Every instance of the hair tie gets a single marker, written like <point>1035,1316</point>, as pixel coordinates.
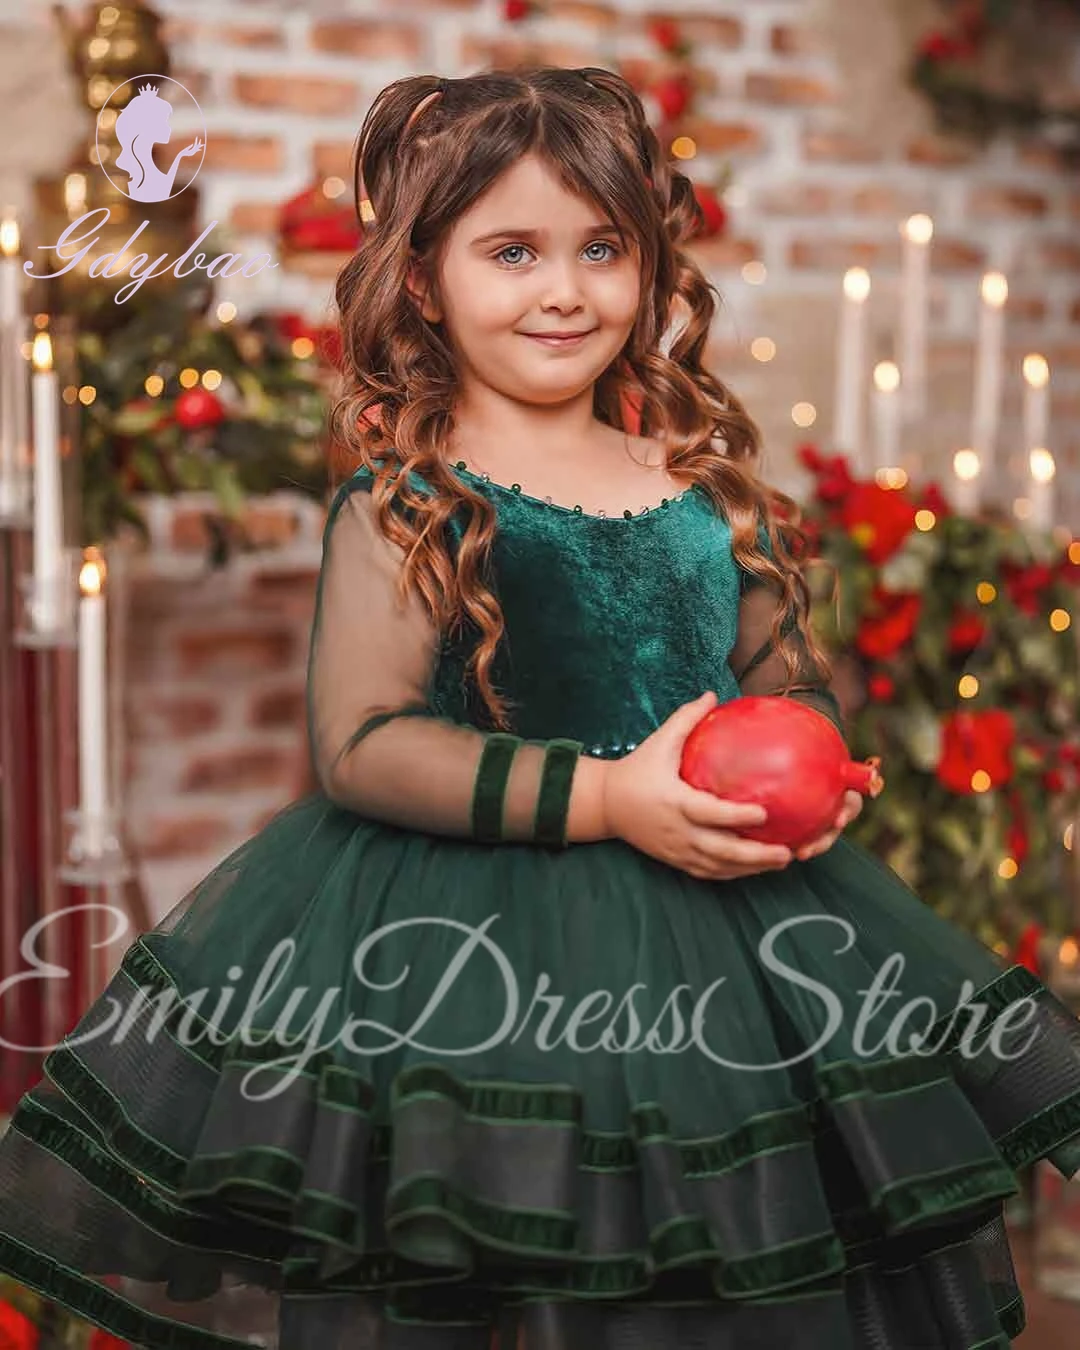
<point>365,210</point>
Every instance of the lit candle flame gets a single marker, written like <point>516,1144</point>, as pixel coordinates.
<point>966,465</point>
<point>92,576</point>
<point>887,376</point>
<point>857,283</point>
<point>1042,465</point>
<point>995,289</point>
<point>9,236</point>
<point>918,228</point>
<point>1036,370</point>
<point>41,352</point>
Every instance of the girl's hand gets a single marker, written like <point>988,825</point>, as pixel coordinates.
<point>646,803</point>
<point>849,809</point>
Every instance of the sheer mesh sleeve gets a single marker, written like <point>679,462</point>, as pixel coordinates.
<point>377,745</point>
<point>759,667</point>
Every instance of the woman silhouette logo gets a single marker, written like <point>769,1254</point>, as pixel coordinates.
<point>141,124</point>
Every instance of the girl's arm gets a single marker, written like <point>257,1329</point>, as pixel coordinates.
<point>378,747</point>
<point>760,669</point>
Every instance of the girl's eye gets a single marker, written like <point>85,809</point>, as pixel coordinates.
<point>517,249</point>
<point>611,253</point>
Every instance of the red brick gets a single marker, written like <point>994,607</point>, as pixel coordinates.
<point>516,51</point>
<point>1074,205</point>
<point>262,35</point>
<point>315,95</point>
<point>195,81</point>
<point>1074,312</point>
<point>643,72</point>
<point>764,86</point>
<point>1064,354</point>
<point>375,39</point>
<point>249,766</point>
<point>244,154</point>
<point>1004,201</point>
<point>839,147</point>
<point>876,199</point>
<point>788,39</point>
<point>189,531</point>
<point>290,591</point>
<point>183,837</point>
<point>1025,307</point>
<point>268,524</point>
<point>333,159</point>
<point>799,199</point>
<point>723,138</point>
<point>940,152</point>
<point>168,716</point>
<point>1042,155</point>
<point>255,217</point>
<point>278,708</point>
<point>697,29</point>
<point>585,12</point>
<point>831,254</point>
<point>234,651</point>
<point>1062,255</point>
<point>724,252</point>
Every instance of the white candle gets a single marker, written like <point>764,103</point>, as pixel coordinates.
<point>917,231</point>
<point>989,354</point>
<point>965,493</point>
<point>48,505</point>
<point>887,414</point>
<point>1036,370</point>
<point>93,745</point>
<point>13,375</point>
<point>1041,463</point>
<point>851,364</point>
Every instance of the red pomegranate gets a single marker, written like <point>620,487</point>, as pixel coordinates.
<point>781,754</point>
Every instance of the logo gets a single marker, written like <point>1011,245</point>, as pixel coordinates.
<point>143,124</point>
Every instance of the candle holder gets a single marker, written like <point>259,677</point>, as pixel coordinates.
<point>48,609</point>
<point>94,853</point>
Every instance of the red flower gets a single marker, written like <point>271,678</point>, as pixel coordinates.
<point>891,623</point>
<point>713,211</point>
<point>1054,780</point>
<point>1068,569</point>
<point>940,46</point>
<point>1025,585</point>
<point>878,518</point>
<point>881,687</point>
<point>103,1340</point>
<point>17,1332</point>
<point>966,631</point>
<point>1027,949</point>
<point>933,499</point>
<point>672,96</point>
<point>973,742</point>
<point>1016,836</point>
<point>834,480</point>
<point>665,33</point>
<point>516,10</point>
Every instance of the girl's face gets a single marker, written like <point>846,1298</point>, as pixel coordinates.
<point>528,262</point>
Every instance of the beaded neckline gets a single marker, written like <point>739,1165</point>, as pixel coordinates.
<point>515,490</point>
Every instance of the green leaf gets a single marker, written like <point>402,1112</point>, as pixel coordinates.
<point>227,487</point>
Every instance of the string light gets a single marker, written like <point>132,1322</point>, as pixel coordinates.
<point>981,781</point>
<point>754,273</point>
<point>804,414</point>
<point>925,519</point>
<point>968,686</point>
<point>684,147</point>
<point>986,593</point>
<point>154,385</point>
<point>763,349</point>
<point>1060,619</point>
<point>1007,868</point>
<point>188,378</point>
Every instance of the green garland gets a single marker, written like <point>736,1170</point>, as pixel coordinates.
<point>931,606</point>
<point>947,67</point>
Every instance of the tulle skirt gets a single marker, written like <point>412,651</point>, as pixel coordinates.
<point>372,1088</point>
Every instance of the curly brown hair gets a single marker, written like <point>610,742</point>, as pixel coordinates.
<point>427,149</point>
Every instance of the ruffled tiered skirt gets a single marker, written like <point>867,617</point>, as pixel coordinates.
<point>373,1089</point>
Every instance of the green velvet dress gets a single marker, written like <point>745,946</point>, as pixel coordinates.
<point>408,1068</point>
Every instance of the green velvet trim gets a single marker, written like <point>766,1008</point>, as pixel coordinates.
<point>553,801</point>
<point>489,789</point>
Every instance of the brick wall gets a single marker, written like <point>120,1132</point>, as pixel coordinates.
<point>216,673</point>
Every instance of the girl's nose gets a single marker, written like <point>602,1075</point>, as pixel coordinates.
<point>562,288</point>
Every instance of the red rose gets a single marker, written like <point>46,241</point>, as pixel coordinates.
<point>17,1332</point>
<point>966,631</point>
<point>713,211</point>
<point>1025,585</point>
<point>878,518</point>
<point>665,33</point>
<point>973,741</point>
<point>1027,949</point>
<point>516,10</point>
<point>809,456</point>
<point>673,97</point>
<point>890,625</point>
<point>881,687</point>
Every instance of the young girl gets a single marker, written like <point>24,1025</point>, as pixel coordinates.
<point>506,1036</point>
